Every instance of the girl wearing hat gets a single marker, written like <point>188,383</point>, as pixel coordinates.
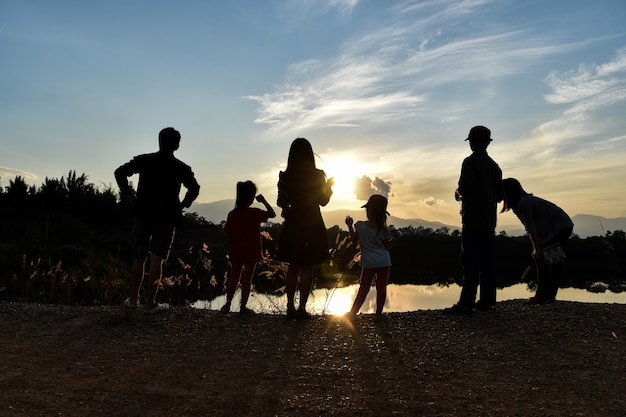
<point>375,239</point>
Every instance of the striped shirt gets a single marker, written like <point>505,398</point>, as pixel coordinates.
<point>480,186</point>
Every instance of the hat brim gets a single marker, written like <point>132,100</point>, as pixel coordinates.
<point>365,206</point>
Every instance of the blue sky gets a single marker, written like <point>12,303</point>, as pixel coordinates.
<point>385,91</point>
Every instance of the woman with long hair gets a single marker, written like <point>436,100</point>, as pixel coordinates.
<point>302,189</point>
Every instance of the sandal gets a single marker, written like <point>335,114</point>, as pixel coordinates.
<point>159,308</point>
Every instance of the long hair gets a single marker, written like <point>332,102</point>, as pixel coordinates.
<point>513,191</point>
<point>246,191</point>
<point>301,157</point>
<point>378,215</point>
<point>376,209</point>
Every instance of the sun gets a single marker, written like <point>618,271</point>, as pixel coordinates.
<point>345,171</point>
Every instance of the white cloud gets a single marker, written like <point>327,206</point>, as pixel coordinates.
<point>12,172</point>
<point>442,9</point>
<point>365,186</point>
<point>617,65</point>
<point>588,90</point>
<point>432,201</point>
<point>606,82</point>
<point>302,9</point>
<point>391,71</point>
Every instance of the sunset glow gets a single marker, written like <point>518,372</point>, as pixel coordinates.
<point>345,171</point>
<point>385,91</point>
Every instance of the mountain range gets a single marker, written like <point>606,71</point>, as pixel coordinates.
<point>585,225</point>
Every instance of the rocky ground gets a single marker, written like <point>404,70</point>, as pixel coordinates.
<point>562,359</point>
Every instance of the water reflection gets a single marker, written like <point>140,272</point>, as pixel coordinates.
<point>400,298</point>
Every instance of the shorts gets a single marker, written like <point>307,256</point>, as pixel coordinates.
<point>152,237</point>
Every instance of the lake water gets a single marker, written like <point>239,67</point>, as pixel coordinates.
<point>400,298</point>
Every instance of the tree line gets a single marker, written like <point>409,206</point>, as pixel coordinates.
<point>67,241</point>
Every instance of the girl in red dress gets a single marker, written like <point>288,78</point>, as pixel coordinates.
<point>243,228</point>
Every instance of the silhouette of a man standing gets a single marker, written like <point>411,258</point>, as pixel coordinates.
<point>480,190</point>
<point>157,211</point>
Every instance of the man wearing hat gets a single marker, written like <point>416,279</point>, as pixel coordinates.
<point>480,190</point>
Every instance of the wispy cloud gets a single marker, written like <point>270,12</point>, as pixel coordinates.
<point>441,9</point>
<point>12,172</point>
<point>577,156</point>
<point>301,9</point>
<point>389,72</point>
<point>587,90</point>
<point>607,80</point>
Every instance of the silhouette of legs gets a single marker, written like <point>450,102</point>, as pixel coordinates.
<point>478,265</point>
<point>246,283</point>
<point>367,276</point>
<point>549,275</point>
<point>153,280</point>
<point>231,285</point>
<point>136,279</point>
<point>243,272</point>
<point>292,283</point>
<point>305,273</point>
<point>306,283</point>
<point>382,277</point>
<point>149,239</point>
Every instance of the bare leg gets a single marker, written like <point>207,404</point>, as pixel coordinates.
<point>246,282</point>
<point>136,279</point>
<point>382,277</point>
<point>233,280</point>
<point>367,276</point>
<point>306,283</point>
<point>292,283</point>
<point>154,279</point>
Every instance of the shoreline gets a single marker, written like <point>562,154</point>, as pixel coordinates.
<point>401,298</point>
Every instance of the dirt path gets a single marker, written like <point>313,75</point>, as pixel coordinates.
<point>565,359</point>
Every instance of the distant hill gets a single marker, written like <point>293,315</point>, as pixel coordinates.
<point>589,225</point>
<point>338,218</point>
<point>217,212</point>
<point>584,224</point>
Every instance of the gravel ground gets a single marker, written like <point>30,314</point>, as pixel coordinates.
<point>562,359</point>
